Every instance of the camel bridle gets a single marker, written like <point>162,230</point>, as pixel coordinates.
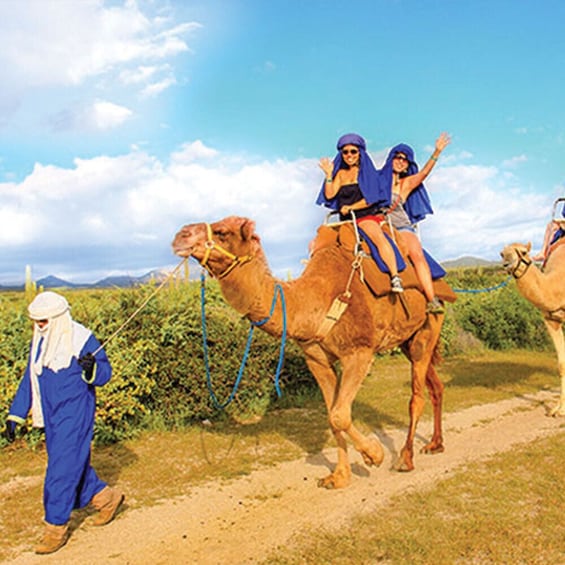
<point>210,245</point>
<point>522,265</point>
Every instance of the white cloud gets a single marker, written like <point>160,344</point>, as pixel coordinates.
<point>121,213</point>
<point>62,44</point>
<point>514,161</point>
<point>154,89</point>
<point>106,115</point>
<point>190,152</point>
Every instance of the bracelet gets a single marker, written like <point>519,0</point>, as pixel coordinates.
<point>432,158</point>
<point>329,180</point>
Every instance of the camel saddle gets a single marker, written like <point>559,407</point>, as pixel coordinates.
<point>343,236</point>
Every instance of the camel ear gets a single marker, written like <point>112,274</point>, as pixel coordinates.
<point>528,246</point>
<point>247,230</point>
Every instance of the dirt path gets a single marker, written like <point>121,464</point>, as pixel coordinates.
<point>241,520</point>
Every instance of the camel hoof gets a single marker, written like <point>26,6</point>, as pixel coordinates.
<point>375,455</point>
<point>333,481</point>
<point>405,460</point>
<point>404,466</point>
<point>432,449</point>
<point>326,483</point>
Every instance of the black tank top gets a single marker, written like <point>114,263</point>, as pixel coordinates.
<point>349,194</point>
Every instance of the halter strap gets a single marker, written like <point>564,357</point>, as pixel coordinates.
<point>523,264</point>
<point>210,245</point>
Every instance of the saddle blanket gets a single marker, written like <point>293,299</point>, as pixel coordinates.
<point>374,271</point>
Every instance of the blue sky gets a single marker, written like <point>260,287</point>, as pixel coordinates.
<point>120,121</point>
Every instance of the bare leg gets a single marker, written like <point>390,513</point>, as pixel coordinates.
<point>416,255</point>
<point>375,232</point>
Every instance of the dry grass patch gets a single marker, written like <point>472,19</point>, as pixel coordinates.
<point>161,465</point>
<point>506,510</point>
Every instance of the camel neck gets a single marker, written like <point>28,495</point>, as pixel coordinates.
<point>252,296</point>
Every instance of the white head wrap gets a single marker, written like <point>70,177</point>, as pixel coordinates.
<point>62,339</point>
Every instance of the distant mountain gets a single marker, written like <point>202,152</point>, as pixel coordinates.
<point>51,281</point>
<point>468,261</point>
<point>156,275</point>
<point>121,281</point>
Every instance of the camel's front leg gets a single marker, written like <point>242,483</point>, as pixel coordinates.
<point>321,367</point>
<point>354,369</point>
<point>556,333</point>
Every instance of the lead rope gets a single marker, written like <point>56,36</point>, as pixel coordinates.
<point>140,308</point>
<point>278,291</point>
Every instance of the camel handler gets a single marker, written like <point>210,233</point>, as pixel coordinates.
<point>58,387</point>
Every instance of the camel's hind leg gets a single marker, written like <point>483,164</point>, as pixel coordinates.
<point>556,333</point>
<point>435,390</point>
<point>420,350</point>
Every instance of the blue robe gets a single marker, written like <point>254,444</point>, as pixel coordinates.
<point>68,404</point>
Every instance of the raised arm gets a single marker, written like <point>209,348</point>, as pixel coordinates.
<point>331,185</point>
<point>411,182</point>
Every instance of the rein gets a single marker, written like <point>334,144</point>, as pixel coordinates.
<point>141,307</point>
<point>210,245</point>
<point>277,292</point>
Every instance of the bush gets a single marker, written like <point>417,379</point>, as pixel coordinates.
<point>501,318</point>
<point>159,376</point>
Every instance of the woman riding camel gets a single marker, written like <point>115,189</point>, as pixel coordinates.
<point>409,203</point>
<point>352,185</point>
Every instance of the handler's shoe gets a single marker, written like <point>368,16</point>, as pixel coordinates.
<point>107,502</point>
<point>54,538</point>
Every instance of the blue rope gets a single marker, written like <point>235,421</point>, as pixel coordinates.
<point>253,325</point>
<point>489,289</point>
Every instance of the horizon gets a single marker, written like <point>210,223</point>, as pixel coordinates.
<point>192,262</point>
<point>144,116</point>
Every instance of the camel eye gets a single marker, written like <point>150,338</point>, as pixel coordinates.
<point>220,234</point>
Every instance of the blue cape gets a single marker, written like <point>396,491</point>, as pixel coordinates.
<point>372,188</point>
<point>418,204</point>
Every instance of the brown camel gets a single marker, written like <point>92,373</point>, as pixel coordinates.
<point>546,291</point>
<point>231,251</point>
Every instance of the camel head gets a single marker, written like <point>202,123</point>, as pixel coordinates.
<point>515,254</point>
<point>220,246</point>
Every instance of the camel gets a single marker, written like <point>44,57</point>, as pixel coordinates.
<point>546,291</point>
<point>231,251</point>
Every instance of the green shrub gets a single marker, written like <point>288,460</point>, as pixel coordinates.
<point>159,375</point>
<point>501,318</point>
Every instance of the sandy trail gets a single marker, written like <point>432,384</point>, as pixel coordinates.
<point>240,521</point>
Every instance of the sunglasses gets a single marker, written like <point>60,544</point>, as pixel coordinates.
<point>400,158</point>
<point>349,151</point>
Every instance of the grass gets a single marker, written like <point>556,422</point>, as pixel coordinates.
<point>507,510</point>
<point>160,465</point>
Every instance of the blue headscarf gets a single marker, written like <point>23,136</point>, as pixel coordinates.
<point>372,189</point>
<point>560,232</point>
<point>418,204</point>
